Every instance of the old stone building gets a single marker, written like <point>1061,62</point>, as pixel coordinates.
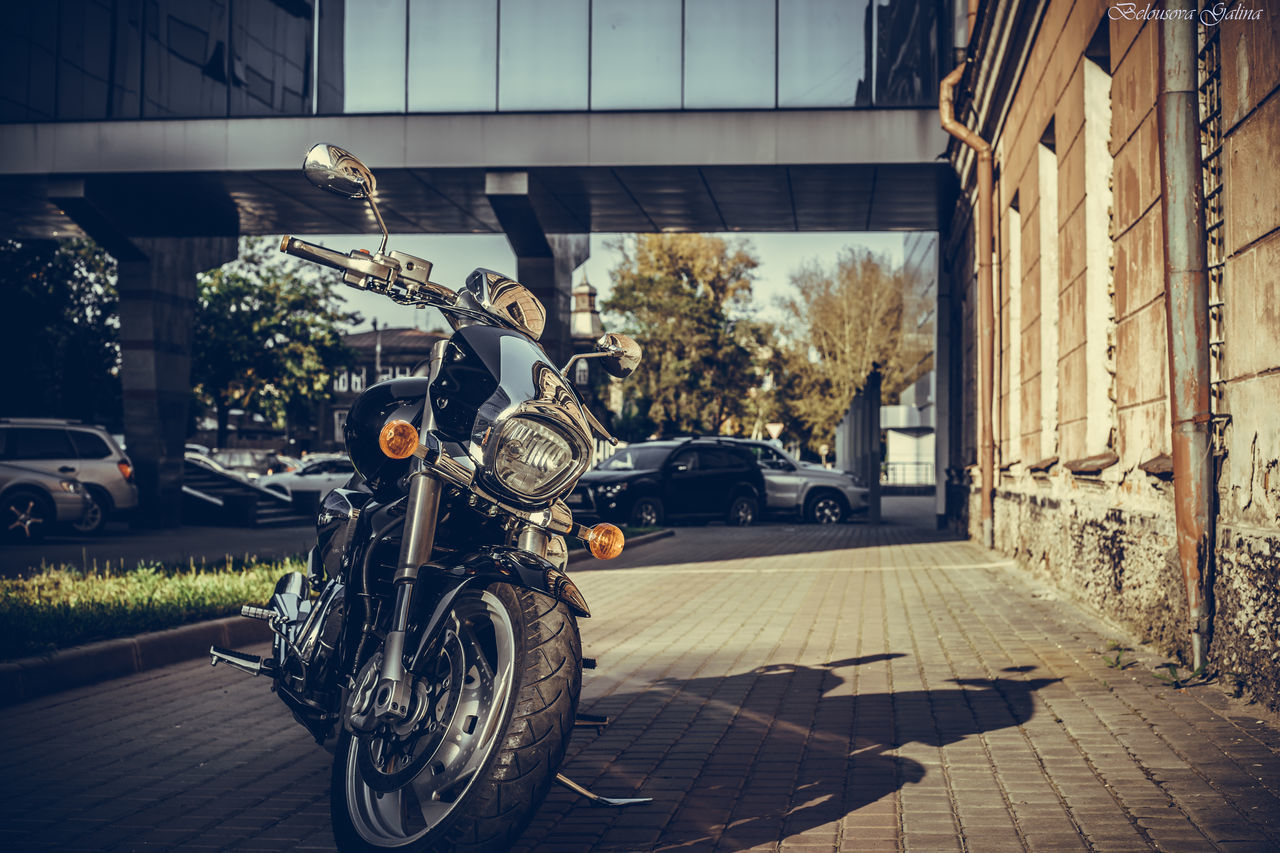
<point>1089,291</point>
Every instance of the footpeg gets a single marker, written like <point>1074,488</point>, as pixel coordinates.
<point>596,798</point>
<point>242,661</point>
<point>591,721</point>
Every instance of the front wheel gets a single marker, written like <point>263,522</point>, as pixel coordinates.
<point>742,512</point>
<point>491,719</point>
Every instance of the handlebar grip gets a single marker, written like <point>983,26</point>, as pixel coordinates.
<point>358,264</point>
<point>312,252</point>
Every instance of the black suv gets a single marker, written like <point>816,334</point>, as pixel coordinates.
<point>648,483</point>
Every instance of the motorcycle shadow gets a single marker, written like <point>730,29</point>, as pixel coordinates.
<point>762,756</point>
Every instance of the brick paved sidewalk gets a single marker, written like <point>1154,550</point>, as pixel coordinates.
<point>783,687</point>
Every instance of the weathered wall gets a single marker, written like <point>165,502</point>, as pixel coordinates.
<point>1084,496</point>
<point>1247,572</point>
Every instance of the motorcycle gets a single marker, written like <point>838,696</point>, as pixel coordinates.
<point>433,644</point>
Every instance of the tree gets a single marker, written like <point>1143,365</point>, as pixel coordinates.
<point>59,333</point>
<point>267,336</point>
<point>685,298</point>
<point>843,323</point>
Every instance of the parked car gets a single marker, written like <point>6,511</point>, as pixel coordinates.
<point>32,502</point>
<point>74,450</point>
<point>314,479</point>
<point>811,492</point>
<point>253,464</point>
<point>651,482</point>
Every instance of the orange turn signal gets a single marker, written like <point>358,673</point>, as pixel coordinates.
<point>398,439</point>
<point>605,541</point>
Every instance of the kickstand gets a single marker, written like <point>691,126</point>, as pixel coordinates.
<point>596,798</point>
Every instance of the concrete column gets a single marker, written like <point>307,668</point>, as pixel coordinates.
<point>157,313</point>
<point>544,262</point>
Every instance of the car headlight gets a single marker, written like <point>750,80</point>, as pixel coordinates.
<point>612,490</point>
<point>72,486</point>
<point>532,459</point>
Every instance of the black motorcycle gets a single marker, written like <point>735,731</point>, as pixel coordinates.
<point>433,643</point>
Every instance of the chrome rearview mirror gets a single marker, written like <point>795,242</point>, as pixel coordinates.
<point>338,171</point>
<point>620,354</point>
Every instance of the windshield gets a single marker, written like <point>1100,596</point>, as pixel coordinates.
<point>635,458</point>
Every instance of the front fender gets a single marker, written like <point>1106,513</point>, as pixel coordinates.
<point>491,563</point>
<point>519,568</point>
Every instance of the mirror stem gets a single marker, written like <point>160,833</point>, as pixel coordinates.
<point>378,215</point>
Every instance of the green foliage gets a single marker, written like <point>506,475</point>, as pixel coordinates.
<point>844,322</point>
<point>268,335</point>
<point>59,331</point>
<point>62,607</point>
<point>1117,661</point>
<point>1173,675</point>
<point>685,298</point>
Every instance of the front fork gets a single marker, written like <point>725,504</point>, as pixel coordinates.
<point>391,699</point>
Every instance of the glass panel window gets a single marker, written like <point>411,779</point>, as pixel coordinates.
<point>635,55</point>
<point>542,54</point>
<point>38,443</point>
<point>822,53</point>
<point>453,58</point>
<point>374,50</point>
<point>89,445</point>
<point>729,54</point>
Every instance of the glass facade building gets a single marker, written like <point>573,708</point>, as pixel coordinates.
<point>79,60</point>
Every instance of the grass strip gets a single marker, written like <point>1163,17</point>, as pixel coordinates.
<point>63,606</point>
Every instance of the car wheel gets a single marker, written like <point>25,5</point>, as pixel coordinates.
<point>95,515</point>
<point>25,516</point>
<point>825,508</point>
<point>647,512</point>
<point>743,511</point>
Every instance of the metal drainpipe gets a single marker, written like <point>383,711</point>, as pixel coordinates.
<point>1186,302</point>
<point>986,310</point>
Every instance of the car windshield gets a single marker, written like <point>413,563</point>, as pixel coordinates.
<point>635,458</point>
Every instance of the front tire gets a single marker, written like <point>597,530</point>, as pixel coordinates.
<point>742,512</point>
<point>826,508</point>
<point>501,700</point>
<point>647,512</point>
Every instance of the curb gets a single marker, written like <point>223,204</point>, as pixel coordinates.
<point>31,678</point>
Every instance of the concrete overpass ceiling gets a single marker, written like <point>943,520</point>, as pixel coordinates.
<point>453,201</point>
<point>765,170</point>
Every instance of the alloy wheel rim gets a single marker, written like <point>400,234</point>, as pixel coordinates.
<point>459,725</point>
<point>827,511</point>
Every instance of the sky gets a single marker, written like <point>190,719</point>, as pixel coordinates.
<point>455,256</point>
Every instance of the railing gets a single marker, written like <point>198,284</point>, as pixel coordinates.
<point>907,474</point>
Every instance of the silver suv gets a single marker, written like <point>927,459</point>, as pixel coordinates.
<point>74,450</point>
<point>816,494</point>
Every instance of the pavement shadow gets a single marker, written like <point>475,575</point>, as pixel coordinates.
<point>770,753</point>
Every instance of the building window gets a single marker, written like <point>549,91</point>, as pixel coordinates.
<point>339,424</point>
<point>1049,295</point>
<point>1013,279</point>
<point>1100,306</point>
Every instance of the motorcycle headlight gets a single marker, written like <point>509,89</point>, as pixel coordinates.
<point>533,460</point>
